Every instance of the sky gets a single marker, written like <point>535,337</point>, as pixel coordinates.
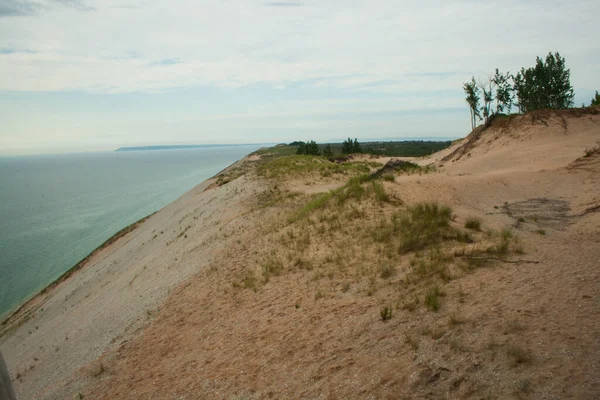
<point>95,75</point>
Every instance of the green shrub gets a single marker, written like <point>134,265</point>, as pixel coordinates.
<point>473,223</point>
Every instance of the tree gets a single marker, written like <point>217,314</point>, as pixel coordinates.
<point>309,148</point>
<point>347,146</point>
<point>312,148</point>
<point>472,92</point>
<point>301,148</point>
<point>595,100</point>
<point>487,88</point>
<point>327,151</point>
<point>546,85</point>
<point>504,91</point>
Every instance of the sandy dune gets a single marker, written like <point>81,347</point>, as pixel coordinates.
<point>220,295</point>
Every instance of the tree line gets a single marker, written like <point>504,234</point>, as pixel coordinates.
<point>546,85</point>
<point>311,148</point>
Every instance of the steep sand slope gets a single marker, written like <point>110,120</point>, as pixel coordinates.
<point>286,303</point>
<point>117,291</point>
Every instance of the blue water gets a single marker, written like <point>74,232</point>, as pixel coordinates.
<point>56,209</point>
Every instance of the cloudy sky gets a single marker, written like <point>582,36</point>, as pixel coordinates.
<point>91,75</point>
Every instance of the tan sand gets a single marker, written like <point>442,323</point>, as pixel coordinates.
<point>171,312</point>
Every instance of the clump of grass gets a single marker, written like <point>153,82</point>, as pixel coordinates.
<point>318,295</point>
<point>386,313</point>
<point>388,177</point>
<point>433,298</point>
<point>424,224</point>
<point>380,193</point>
<point>249,281</point>
<point>317,201</point>
<point>271,267</point>
<point>541,231</point>
<point>518,355</point>
<point>434,264</point>
<point>411,305</point>
<point>503,246</point>
<point>407,167</point>
<point>473,223</point>
<point>386,271</point>
<point>386,230</point>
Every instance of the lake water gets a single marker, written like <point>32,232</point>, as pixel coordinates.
<point>56,209</point>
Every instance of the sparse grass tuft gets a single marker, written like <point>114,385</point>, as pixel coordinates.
<point>380,193</point>
<point>385,313</point>
<point>386,271</point>
<point>424,224</point>
<point>541,231</point>
<point>271,267</point>
<point>473,223</point>
<point>518,355</point>
<point>433,298</point>
<point>249,281</point>
<point>388,177</point>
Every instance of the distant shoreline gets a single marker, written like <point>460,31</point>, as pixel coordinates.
<point>186,146</point>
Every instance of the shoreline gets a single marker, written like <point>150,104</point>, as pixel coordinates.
<point>10,315</point>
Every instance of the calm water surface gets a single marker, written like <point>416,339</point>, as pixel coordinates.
<point>56,209</point>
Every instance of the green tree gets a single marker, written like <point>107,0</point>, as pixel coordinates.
<point>595,100</point>
<point>487,88</point>
<point>308,148</point>
<point>546,85</point>
<point>504,91</point>
<point>472,92</point>
<point>327,151</point>
<point>301,148</point>
<point>356,148</point>
<point>347,146</point>
<point>312,148</point>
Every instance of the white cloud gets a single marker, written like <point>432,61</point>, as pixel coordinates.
<point>234,44</point>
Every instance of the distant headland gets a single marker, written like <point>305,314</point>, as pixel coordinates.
<point>183,146</point>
